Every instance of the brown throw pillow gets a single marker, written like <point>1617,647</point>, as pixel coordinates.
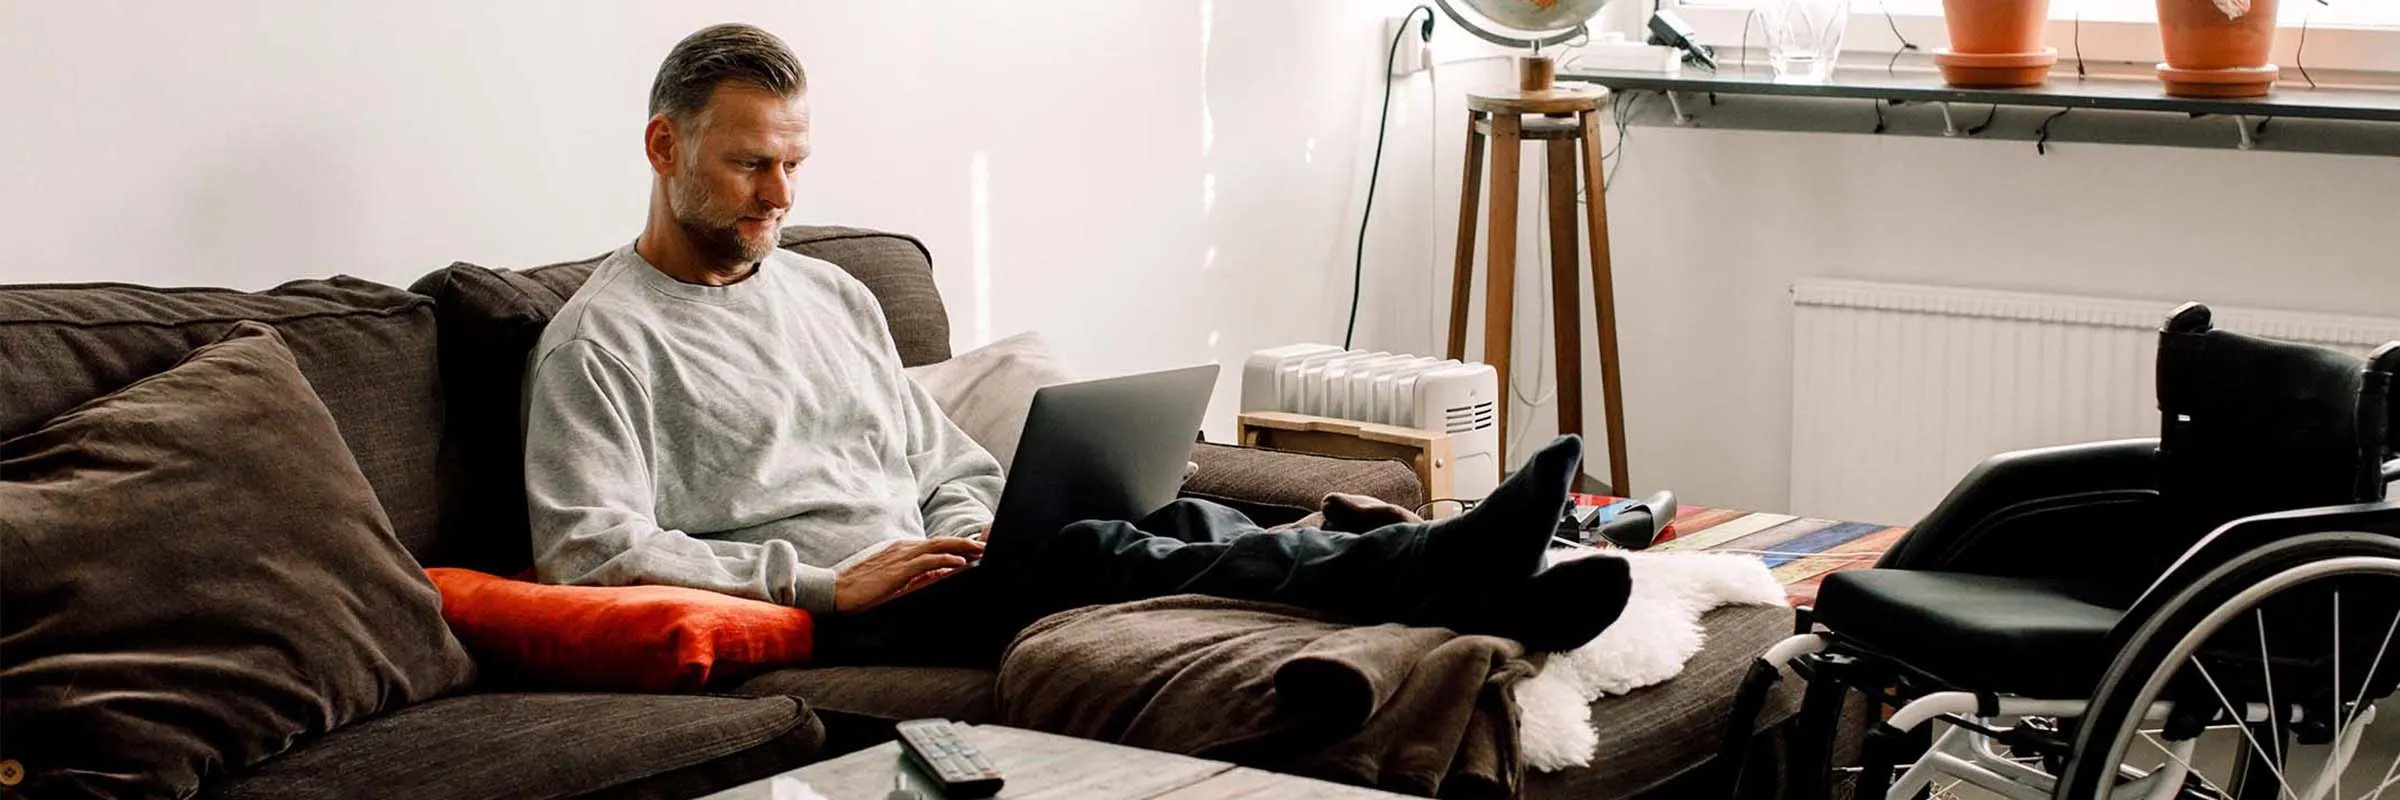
<point>197,577</point>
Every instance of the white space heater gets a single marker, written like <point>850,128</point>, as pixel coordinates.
<point>1451,397</point>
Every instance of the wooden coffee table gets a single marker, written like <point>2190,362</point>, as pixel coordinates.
<point>1040,765</point>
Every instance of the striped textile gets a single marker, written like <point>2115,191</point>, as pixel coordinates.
<point>1800,551</point>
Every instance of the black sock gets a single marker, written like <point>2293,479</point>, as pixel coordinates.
<point>1500,542</point>
<point>1562,608</point>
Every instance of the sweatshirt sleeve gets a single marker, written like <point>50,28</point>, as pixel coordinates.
<point>589,495</point>
<point>959,483</point>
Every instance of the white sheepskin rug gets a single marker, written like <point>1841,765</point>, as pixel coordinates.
<point>1659,631</point>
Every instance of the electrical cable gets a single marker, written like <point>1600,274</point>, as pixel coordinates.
<point>2041,141</point>
<point>2080,72</point>
<point>1358,260</point>
<point>1463,504</point>
<point>1987,120</point>
<point>2300,56</point>
<point>1541,348</point>
<point>1610,179</point>
<point>1433,174</point>
<point>1906,46</point>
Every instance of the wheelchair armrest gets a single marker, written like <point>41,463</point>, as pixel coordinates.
<point>2051,480</point>
<point>2249,533</point>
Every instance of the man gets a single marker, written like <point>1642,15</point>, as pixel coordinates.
<point>713,412</point>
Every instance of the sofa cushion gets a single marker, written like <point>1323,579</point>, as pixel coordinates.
<point>618,638</point>
<point>546,746</point>
<point>887,693</point>
<point>1663,735</point>
<point>989,390</point>
<point>490,320</point>
<point>367,349</point>
<point>198,575</point>
<point>1274,487</point>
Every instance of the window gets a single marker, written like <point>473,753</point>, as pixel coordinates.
<point>2360,35</point>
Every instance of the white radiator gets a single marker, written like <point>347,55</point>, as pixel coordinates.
<point>1898,390</point>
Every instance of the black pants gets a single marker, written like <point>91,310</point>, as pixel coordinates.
<point>1188,547</point>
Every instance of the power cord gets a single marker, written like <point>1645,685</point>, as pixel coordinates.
<point>1987,120</point>
<point>2079,73</point>
<point>1610,180</point>
<point>1906,46</point>
<point>2041,140</point>
<point>2300,56</point>
<point>1463,504</point>
<point>1358,259</point>
<point>1433,175</point>
<point>1541,222</point>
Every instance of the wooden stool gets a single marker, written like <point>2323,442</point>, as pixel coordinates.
<point>1563,116</point>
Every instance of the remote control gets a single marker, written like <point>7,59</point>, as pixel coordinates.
<point>944,754</point>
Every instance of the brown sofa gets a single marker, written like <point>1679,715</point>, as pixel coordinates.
<point>424,387</point>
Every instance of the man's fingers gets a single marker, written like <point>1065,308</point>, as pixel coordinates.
<point>950,544</point>
<point>924,578</point>
<point>929,563</point>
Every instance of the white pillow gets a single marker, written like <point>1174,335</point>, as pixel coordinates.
<point>989,390</point>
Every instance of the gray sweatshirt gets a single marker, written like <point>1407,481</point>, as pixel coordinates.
<point>749,439</point>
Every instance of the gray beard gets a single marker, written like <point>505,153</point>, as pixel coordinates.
<point>719,242</point>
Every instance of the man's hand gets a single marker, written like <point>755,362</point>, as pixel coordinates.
<point>899,569</point>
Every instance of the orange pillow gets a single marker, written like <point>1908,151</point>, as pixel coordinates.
<point>621,638</point>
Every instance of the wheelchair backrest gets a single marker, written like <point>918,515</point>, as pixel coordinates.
<point>2251,425</point>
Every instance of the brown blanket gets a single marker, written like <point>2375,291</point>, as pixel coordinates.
<point>1416,710</point>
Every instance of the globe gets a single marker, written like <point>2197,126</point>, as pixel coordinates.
<point>1530,24</point>
<point>1533,16</point>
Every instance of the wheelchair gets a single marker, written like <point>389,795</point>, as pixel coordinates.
<point>2208,614</point>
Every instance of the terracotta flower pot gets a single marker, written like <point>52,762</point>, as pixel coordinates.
<point>1995,43</point>
<point>2212,55</point>
<point>1995,26</point>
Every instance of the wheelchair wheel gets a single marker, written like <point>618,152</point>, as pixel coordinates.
<point>2255,681</point>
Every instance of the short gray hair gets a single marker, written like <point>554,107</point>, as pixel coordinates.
<point>720,54</point>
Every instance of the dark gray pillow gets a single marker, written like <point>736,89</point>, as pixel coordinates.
<point>197,577</point>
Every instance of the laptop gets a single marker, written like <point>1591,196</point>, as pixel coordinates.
<point>1110,449</point>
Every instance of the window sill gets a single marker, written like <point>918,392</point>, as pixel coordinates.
<point>2329,47</point>
<point>2127,111</point>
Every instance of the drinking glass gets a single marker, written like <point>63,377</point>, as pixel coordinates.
<point>1803,37</point>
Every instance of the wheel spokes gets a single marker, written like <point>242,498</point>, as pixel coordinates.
<point>2387,781</point>
<point>2266,676</point>
<point>2372,666</point>
<point>2358,701</point>
<point>2239,719</point>
<point>2188,769</point>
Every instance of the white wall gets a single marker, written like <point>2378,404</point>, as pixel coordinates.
<point>1160,182</point>
<point>246,143</point>
<point>1712,226</point>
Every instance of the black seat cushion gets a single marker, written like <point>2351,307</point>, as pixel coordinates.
<point>551,745</point>
<point>2022,636</point>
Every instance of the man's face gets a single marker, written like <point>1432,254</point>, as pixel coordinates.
<point>733,175</point>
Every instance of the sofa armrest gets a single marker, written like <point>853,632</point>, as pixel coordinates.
<point>1278,486</point>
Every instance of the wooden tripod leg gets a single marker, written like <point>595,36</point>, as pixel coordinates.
<point>1604,304</point>
<point>1566,304</point>
<point>1499,297</point>
<point>1462,277</point>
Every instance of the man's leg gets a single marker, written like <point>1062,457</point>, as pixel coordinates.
<point>1480,572</point>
